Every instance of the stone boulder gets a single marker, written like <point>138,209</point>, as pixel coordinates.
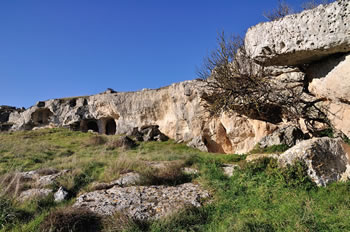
<point>327,159</point>
<point>288,135</point>
<point>143,202</point>
<point>125,142</point>
<point>295,39</point>
<point>197,142</point>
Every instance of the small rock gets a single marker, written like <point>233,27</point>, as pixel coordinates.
<point>189,171</point>
<point>253,157</point>
<point>197,142</point>
<point>34,194</point>
<point>61,194</point>
<point>229,168</point>
<point>126,143</point>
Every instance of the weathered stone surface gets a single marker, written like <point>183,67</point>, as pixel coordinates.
<point>5,112</point>
<point>142,202</point>
<point>301,38</point>
<point>288,135</point>
<point>177,110</point>
<point>327,159</point>
<point>331,79</point>
<point>198,143</point>
<point>127,179</point>
<point>34,194</point>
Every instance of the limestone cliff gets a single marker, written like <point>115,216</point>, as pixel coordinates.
<point>177,109</point>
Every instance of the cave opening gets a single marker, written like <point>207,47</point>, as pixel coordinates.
<point>110,127</point>
<point>92,125</point>
<point>41,117</point>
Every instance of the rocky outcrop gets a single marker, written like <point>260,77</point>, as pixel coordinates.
<point>143,202</point>
<point>175,111</point>
<point>301,38</point>
<point>5,112</point>
<point>327,159</point>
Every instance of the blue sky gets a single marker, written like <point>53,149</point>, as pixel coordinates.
<point>60,48</point>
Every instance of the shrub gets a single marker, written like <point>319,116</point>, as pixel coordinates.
<point>119,222</point>
<point>71,220</point>
<point>282,9</point>
<point>170,174</point>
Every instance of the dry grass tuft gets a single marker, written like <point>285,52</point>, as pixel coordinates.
<point>71,219</point>
<point>96,140</point>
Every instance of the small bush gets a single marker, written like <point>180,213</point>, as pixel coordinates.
<point>296,176</point>
<point>71,220</point>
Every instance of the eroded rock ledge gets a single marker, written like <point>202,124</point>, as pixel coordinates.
<point>301,38</point>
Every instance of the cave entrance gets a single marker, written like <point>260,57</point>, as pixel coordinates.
<point>92,125</point>
<point>110,126</point>
<point>89,124</point>
<point>41,117</point>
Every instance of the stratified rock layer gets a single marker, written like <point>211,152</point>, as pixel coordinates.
<point>301,38</point>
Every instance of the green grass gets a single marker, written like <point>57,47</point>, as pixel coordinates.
<point>258,197</point>
<point>271,149</point>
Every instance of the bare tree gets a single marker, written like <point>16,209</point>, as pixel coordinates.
<point>236,83</point>
<point>280,11</point>
<point>313,4</point>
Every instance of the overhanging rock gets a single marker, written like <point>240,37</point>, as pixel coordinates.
<point>301,38</point>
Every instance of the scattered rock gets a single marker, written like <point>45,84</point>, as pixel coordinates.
<point>327,159</point>
<point>127,179</point>
<point>254,157</point>
<point>34,194</point>
<point>125,142</point>
<point>288,135</point>
<point>229,168</point>
<point>61,195</point>
<point>143,202</point>
<point>198,143</point>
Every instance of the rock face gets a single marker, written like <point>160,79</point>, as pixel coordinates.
<point>301,38</point>
<point>5,112</point>
<point>327,159</point>
<point>288,135</point>
<point>176,109</point>
<point>142,202</point>
<point>331,80</point>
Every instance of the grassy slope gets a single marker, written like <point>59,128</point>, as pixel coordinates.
<point>257,198</point>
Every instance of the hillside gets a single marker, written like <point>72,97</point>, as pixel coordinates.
<point>258,197</point>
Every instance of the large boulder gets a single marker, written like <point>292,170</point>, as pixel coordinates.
<point>301,38</point>
<point>288,135</point>
<point>327,159</point>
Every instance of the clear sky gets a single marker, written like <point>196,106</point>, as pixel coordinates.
<point>61,48</point>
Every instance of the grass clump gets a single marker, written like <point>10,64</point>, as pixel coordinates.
<point>71,219</point>
<point>280,148</point>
